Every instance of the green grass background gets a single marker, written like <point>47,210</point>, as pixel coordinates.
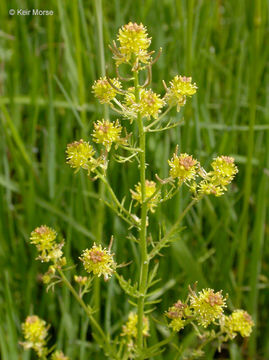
<point>47,66</point>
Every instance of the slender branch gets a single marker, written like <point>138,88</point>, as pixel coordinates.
<point>88,312</point>
<point>115,199</point>
<point>159,119</point>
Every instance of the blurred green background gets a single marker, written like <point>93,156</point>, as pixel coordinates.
<point>47,67</point>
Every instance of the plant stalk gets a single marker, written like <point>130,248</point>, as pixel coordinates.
<point>101,188</point>
<point>143,228</point>
<point>87,309</point>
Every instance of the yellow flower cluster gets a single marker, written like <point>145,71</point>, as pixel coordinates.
<point>107,133</point>
<point>99,261</point>
<point>183,167</point>
<point>103,91</point>
<point>150,103</point>
<point>178,313</point>
<point>79,154</point>
<point>180,88</point>
<point>215,182</point>
<point>35,332</point>
<point>130,328</point>
<point>207,306</point>
<point>43,238</point>
<point>224,170</point>
<point>238,322</point>
<point>134,42</point>
<point>59,355</point>
<point>150,190</point>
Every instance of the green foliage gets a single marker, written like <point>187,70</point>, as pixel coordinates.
<point>47,67</point>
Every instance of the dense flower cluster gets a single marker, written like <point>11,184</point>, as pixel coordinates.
<point>103,90</point>
<point>207,306</point>
<point>35,332</point>
<point>180,88</point>
<point>215,182</point>
<point>238,322</point>
<point>99,261</point>
<point>178,314</point>
<point>134,42</point>
<point>107,133</point>
<point>79,154</point>
<point>150,104</point>
<point>183,167</point>
<point>43,238</point>
<point>150,190</point>
<point>130,328</point>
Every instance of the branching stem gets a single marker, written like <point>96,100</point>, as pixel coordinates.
<point>143,228</point>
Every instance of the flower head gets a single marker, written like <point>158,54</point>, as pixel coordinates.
<point>35,332</point>
<point>207,306</point>
<point>134,42</point>
<point>79,154</point>
<point>43,238</point>
<point>59,355</point>
<point>238,322</point>
<point>150,103</point>
<point>208,188</point>
<point>180,88</point>
<point>183,167</point>
<point>130,328</point>
<point>178,313</point>
<point>103,91</point>
<point>224,170</point>
<point>150,190</point>
<point>99,261</point>
<point>107,133</point>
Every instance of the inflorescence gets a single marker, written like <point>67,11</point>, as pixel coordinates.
<point>207,308</point>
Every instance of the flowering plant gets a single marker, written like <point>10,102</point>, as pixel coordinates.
<point>136,102</point>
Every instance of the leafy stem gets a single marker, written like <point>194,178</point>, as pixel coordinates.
<point>89,312</point>
<point>143,227</point>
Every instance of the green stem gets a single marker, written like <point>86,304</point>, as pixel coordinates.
<point>181,217</point>
<point>113,195</point>
<point>101,188</point>
<point>87,310</point>
<point>143,228</point>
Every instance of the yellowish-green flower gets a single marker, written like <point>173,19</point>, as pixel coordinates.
<point>150,103</point>
<point>79,154</point>
<point>99,261</point>
<point>224,170</point>
<point>81,280</point>
<point>238,322</point>
<point>35,332</point>
<point>208,188</point>
<point>207,306</point>
<point>103,91</point>
<point>215,182</point>
<point>180,88</point>
<point>183,167</point>
<point>59,355</point>
<point>130,328</point>
<point>150,190</point>
<point>178,314</point>
<point>43,238</point>
<point>107,133</point>
<point>134,42</point>
<point>48,276</point>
